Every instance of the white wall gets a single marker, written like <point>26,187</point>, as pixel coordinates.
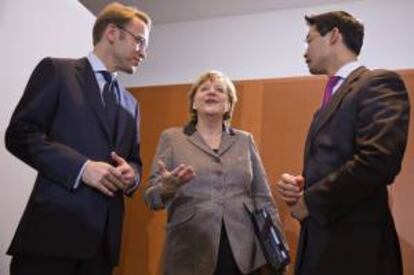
<point>30,30</point>
<point>271,44</point>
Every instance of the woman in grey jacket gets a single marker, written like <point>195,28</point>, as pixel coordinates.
<point>205,175</point>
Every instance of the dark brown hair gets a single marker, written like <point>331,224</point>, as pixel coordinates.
<point>352,30</point>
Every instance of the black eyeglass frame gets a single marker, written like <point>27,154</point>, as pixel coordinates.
<point>139,40</point>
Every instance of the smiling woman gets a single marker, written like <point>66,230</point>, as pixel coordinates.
<point>215,92</point>
<point>206,174</point>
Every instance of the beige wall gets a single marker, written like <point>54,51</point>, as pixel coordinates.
<point>278,113</point>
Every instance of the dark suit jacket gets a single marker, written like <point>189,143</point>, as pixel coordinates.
<point>58,124</point>
<point>354,149</point>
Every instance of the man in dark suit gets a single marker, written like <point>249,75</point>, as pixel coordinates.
<point>79,129</point>
<point>353,151</point>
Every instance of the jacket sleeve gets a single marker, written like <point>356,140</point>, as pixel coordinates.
<point>381,128</point>
<point>156,196</point>
<point>27,134</point>
<point>134,157</point>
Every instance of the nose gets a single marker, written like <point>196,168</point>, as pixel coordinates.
<point>305,55</point>
<point>212,90</point>
<point>142,53</point>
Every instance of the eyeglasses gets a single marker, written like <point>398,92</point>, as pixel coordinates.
<point>139,40</point>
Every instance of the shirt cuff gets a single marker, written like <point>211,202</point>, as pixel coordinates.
<point>79,177</point>
<point>132,188</point>
<point>299,211</point>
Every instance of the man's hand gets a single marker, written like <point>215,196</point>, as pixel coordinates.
<point>102,176</point>
<point>290,188</point>
<point>127,171</point>
<point>291,191</point>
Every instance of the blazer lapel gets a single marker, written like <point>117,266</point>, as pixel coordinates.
<point>90,87</point>
<point>227,140</point>
<point>199,142</point>
<point>323,115</point>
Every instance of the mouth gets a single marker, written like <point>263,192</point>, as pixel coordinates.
<point>211,101</point>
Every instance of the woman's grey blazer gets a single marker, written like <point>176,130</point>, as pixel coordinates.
<point>225,182</point>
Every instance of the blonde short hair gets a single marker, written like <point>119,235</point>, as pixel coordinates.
<point>213,76</point>
<point>119,15</point>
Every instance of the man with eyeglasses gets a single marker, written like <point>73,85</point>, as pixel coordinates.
<point>79,129</point>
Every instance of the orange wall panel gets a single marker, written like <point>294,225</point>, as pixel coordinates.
<point>278,113</point>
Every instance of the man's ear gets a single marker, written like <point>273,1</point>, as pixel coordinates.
<point>110,33</point>
<point>336,36</point>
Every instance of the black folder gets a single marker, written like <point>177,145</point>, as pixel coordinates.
<point>270,239</point>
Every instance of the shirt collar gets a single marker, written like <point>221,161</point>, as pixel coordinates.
<point>97,65</point>
<point>347,69</point>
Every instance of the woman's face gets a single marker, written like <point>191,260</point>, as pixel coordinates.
<point>211,99</point>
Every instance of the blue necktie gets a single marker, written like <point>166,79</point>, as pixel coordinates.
<point>110,102</point>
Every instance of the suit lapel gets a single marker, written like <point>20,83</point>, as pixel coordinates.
<point>199,142</point>
<point>227,140</point>
<point>126,113</point>
<point>323,115</point>
<point>90,87</point>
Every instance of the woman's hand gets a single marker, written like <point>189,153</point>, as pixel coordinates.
<point>177,177</point>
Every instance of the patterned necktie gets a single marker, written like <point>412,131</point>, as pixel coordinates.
<point>110,102</point>
<point>332,81</point>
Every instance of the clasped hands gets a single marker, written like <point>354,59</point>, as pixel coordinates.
<point>108,178</point>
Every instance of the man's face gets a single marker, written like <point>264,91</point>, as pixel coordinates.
<point>317,51</point>
<point>130,45</point>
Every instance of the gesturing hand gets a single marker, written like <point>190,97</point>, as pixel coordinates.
<point>180,175</point>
